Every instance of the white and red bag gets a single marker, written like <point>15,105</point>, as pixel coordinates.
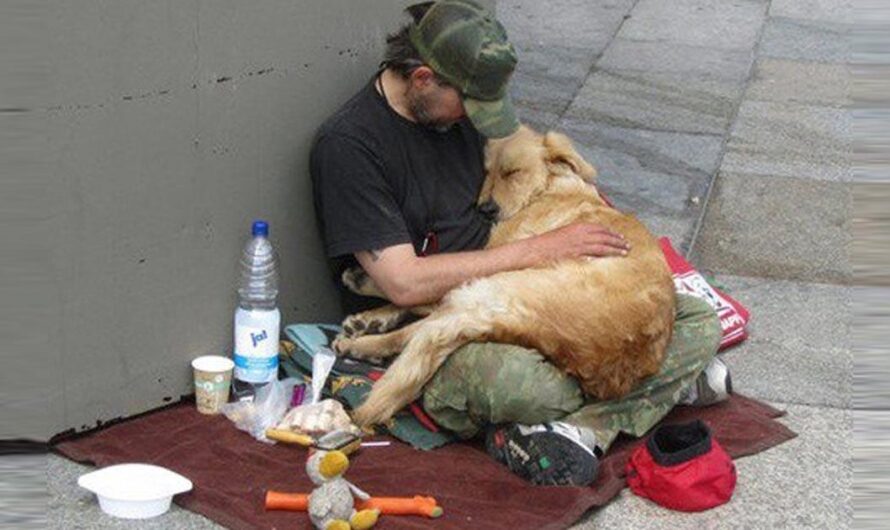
<point>733,315</point>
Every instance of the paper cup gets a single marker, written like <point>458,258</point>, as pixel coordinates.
<point>213,377</point>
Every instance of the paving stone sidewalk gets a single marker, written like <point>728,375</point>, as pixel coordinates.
<point>724,124</point>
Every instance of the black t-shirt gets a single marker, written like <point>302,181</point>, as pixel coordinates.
<point>380,180</point>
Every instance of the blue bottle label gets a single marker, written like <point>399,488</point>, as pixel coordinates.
<point>256,354</point>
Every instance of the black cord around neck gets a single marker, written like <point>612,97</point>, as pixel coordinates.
<point>430,235</point>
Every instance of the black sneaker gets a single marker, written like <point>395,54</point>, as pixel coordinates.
<point>712,386</point>
<point>550,454</point>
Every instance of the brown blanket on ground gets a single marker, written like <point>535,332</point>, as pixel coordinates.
<point>231,471</point>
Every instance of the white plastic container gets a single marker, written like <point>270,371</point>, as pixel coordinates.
<point>134,491</point>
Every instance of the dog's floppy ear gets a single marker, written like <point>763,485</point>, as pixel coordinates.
<point>560,151</point>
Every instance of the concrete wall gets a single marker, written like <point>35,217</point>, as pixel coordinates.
<point>164,128</point>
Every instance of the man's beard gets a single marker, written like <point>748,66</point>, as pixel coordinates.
<point>419,107</point>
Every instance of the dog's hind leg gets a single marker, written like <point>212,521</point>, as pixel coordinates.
<point>480,311</point>
<point>431,342</point>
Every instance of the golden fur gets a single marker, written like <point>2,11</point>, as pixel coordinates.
<point>606,321</point>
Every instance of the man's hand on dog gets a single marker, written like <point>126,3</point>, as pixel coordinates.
<point>580,240</point>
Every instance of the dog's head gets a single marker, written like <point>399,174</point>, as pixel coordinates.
<point>522,166</point>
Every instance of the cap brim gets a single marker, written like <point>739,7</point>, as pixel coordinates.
<point>493,119</point>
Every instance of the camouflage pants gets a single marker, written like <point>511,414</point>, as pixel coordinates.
<point>484,383</point>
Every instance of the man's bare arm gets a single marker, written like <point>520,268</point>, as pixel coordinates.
<point>408,280</point>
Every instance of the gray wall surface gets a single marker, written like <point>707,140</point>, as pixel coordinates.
<point>163,129</point>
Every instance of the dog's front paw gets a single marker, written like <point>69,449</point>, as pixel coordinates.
<point>355,278</point>
<point>355,326</point>
<point>341,344</point>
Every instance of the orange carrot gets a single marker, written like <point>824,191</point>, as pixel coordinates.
<point>292,502</point>
<point>417,505</point>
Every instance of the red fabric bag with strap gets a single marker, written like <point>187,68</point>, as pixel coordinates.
<point>682,467</point>
<point>734,316</point>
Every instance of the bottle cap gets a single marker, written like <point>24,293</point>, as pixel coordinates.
<point>260,228</point>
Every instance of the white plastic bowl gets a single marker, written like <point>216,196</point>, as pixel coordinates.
<point>134,491</point>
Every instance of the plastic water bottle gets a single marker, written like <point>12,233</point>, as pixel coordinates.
<point>257,319</point>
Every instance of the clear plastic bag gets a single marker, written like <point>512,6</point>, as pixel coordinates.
<point>325,416</point>
<point>322,362</point>
<point>268,407</point>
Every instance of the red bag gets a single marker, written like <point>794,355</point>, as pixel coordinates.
<point>733,315</point>
<point>682,467</point>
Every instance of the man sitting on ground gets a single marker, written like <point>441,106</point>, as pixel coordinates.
<point>396,173</point>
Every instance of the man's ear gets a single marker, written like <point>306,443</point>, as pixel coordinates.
<point>560,151</point>
<point>422,76</point>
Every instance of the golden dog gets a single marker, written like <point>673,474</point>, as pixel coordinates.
<point>605,321</point>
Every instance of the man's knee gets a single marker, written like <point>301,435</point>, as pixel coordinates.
<point>483,383</point>
<point>697,329</point>
<point>498,383</point>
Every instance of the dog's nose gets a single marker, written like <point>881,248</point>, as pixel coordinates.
<point>489,209</point>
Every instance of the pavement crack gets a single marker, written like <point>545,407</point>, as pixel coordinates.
<point>593,68</point>
<point>752,68</point>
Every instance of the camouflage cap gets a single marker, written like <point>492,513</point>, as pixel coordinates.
<point>463,43</point>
